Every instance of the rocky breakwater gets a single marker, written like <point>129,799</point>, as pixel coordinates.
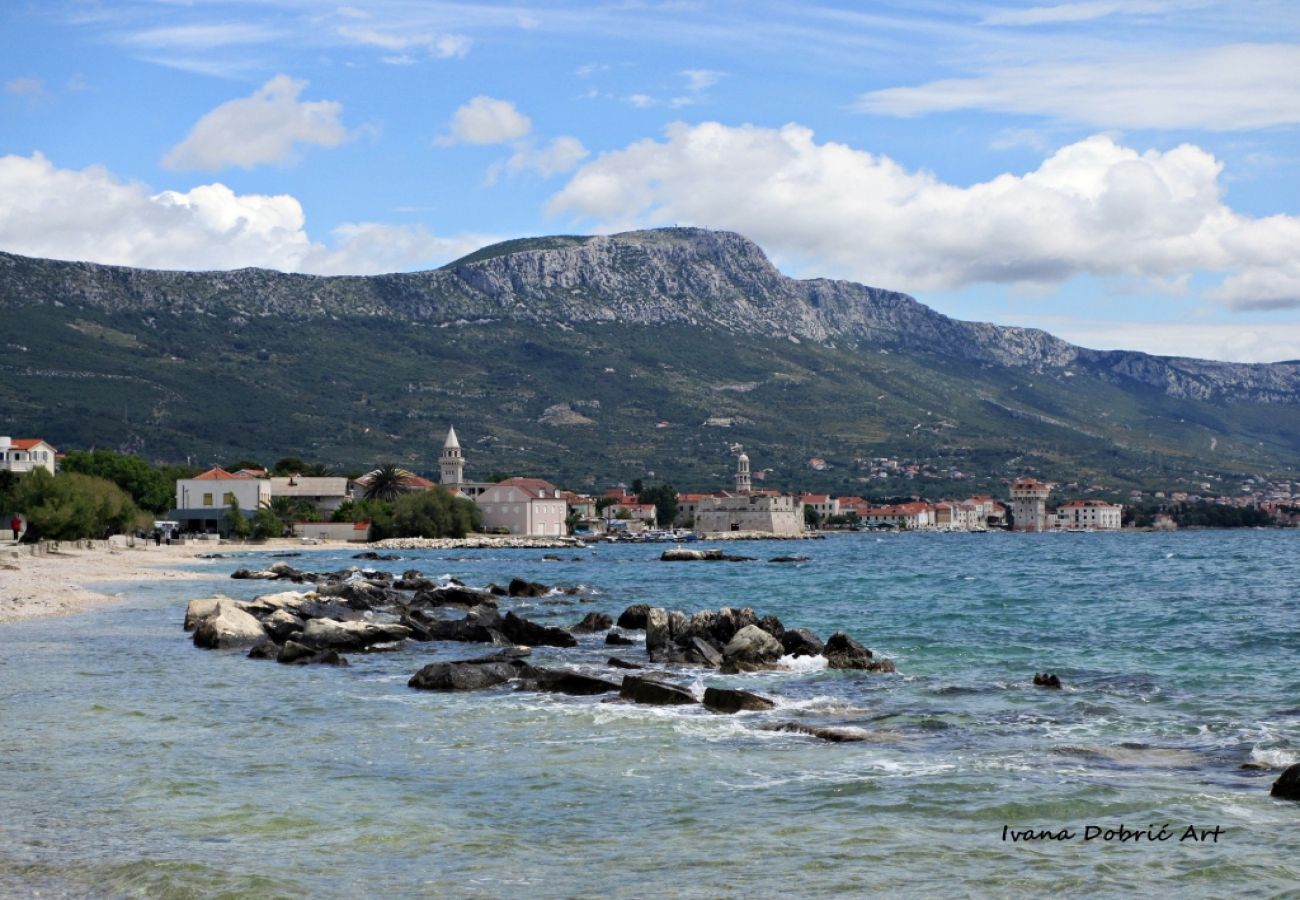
<point>366,611</point>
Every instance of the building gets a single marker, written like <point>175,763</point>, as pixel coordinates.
<point>203,502</point>
<point>1094,515</point>
<point>747,510</point>
<point>526,506</point>
<point>903,516</point>
<point>21,455</point>
<point>409,482</point>
<point>1029,504</point>
<point>687,506</point>
<point>823,504</point>
<point>451,464</point>
<point>325,494</point>
<point>631,517</point>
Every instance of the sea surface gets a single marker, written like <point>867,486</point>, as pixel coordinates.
<point>135,765</point>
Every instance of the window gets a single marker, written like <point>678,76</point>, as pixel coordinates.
<point>207,499</point>
<point>226,498</point>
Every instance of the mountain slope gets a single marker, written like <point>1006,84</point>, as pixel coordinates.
<point>647,336</point>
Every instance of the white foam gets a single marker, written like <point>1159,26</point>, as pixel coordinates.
<point>802,663</point>
<point>1275,758</point>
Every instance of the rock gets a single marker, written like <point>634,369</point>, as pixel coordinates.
<point>633,618</point>
<point>752,646</point>
<point>327,609</point>
<point>521,631</point>
<point>789,559</point>
<point>481,625</point>
<point>801,642</point>
<point>1287,786</point>
<point>686,554</point>
<point>328,633</point>
<point>882,665</point>
<point>641,689</point>
<point>226,627</point>
<point>497,590</point>
<point>454,595</point>
<point>413,580</point>
<point>702,653</point>
<point>726,700</point>
<point>287,600</point>
<point>594,621</point>
<point>835,735</point>
<point>617,663</point>
<point>731,620</point>
<point>521,588</point>
<point>267,649</point>
<point>772,625</point>
<point>359,595</point>
<point>197,610</point>
<point>843,652</point>
<point>614,639</point>
<point>371,554</point>
<point>657,634</point>
<point>463,676</point>
<point>282,623</point>
<point>294,653</point>
<point>562,682</point>
<point>1047,680</point>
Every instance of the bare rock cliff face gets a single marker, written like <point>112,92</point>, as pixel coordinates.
<point>709,279</point>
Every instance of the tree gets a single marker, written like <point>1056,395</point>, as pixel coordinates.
<point>287,466</point>
<point>664,497</point>
<point>316,470</point>
<point>70,505</point>
<point>152,489</point>
<point>243,464</point>
<point>810,516</point>
<point>239,526</point>
<point>266,525</point>
<point>388,482</point>
<point>434,513</point>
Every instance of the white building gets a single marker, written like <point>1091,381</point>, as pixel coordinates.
<point>1094,515</point>
<point>1029,504</point>
<point>748,511</point>
<point>21,455</point>
<point>523,506</point>
<point>325,494</point>
<point>203,502</point>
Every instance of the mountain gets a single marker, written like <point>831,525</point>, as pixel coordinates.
<point>592,359</point>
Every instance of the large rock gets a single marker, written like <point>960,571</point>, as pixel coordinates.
<point>521,588</point>
<point>286,600</point>
<point>614,639</point>
<point>228,626</point>
<point>615,663</point>
<point>294,653</point>
<point>1287,786</point>
<point>481,625</point>
<point>657,634</point>
<point>801,642</point>
<point>834,735</point>
<point>282,623</point>
<point>633,617</point>
<point>522,631</point>
<point>751,647</point>
<point>594,621</point>
<point>727,700</point>
<point>641,689</point>
<point>200,609</point>
<point>564,682</point>
<point>463,676</point>
<point>701,653</point>
<point>453,595</point>
<point>843,652</point>
<point>329,634</point>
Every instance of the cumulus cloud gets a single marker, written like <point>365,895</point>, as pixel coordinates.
<point>486,120</point>
<point>25,87</point>
<point>1231,88</point>
<point>1092,208</point>
<point>452,46</point>
<point>91,215</point>
<point>264,128</point>
<point>561,154</point>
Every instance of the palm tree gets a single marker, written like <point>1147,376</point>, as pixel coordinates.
<point>316,470</point>
<point>387,482</point>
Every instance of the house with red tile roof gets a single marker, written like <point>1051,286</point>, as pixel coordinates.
<point>1093,515</point>
<point>203,502</point>
<point>21,455</point>
<point>524,506</point>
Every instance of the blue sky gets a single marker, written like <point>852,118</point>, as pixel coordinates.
<point>1122,174</point>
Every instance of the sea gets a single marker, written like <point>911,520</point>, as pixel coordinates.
<point>136,765</point>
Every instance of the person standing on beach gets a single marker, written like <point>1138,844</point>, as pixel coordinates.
<point>16,525</point>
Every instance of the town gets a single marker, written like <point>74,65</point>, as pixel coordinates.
<point>309,503</point>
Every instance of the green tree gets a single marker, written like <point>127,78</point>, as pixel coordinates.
<point>435,513</point>
<point>287,466</point>
<point>388,482</point>
<point>664,497</point>
<point>71,505</point>
<point>379,513</point>
<point>239,526</point>
<point>151,488</point>
<point>266,525</point>
<point>810,516</point>
<point>243,464</point>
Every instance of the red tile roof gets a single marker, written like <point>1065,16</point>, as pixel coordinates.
<point>533,487</point>
<point>26,443</point>
<point>216,473</point>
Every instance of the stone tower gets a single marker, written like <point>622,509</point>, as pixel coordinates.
<point>1029,504</point>
<point>743,484</point>
<point>451,464</point>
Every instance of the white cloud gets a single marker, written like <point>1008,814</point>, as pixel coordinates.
<point>642,101</point>
<point>700,79</point>
<point>452,46</point>
<point>91,215</point>
<point>25,87</point>
<point>1078,12</point>
<point>263,128</point>
<point>444,46</point>
<point>1092,208</point>
<point>486,120</point>
<point>1231,88</point>
<point>559,155</point>
<point>201,37</point>
<point>1235,342</point>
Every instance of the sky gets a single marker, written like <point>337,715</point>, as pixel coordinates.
<point>1122,173</point>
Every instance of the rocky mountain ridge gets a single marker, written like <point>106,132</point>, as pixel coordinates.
<point>681,276</point>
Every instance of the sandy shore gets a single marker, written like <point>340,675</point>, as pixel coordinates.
<point>60,583</point>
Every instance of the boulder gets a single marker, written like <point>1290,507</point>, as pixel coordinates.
<point>614,639</point>
<point>616,663</point>
<point>731,620</point>
<point>752,646</point>
<point>371,554</point>
<point>1287,786</point>
<point>686,554</point>
<point>801,642</point>
<point>226,627</point>
<point>789,559</point>
<point>356,594</point>
<point>641,689</point>
<point>594,621</point>
<point>282,623</point>
<point>463,676</point>
<point>288,600</point>
<point>521,631</point>
<point>413,580</point>
<point>267,649</point>
<point>562,682</point>
<point>633,618</point>
<point>772,625</point>
<point>197,610</point>
<point>843,652</point>
<point>481,626</point>
<point>453,595</point>
<point>328,633</point>
<point>882,665</point>
<point>294,653</point>
<point>657,634</point>
<point>727,700</point>
<point>834,735</point>
<point>702,653</point>
<point>1047,680</point>
<point>521,588</point>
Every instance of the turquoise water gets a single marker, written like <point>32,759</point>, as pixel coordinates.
<point>137,765</point>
